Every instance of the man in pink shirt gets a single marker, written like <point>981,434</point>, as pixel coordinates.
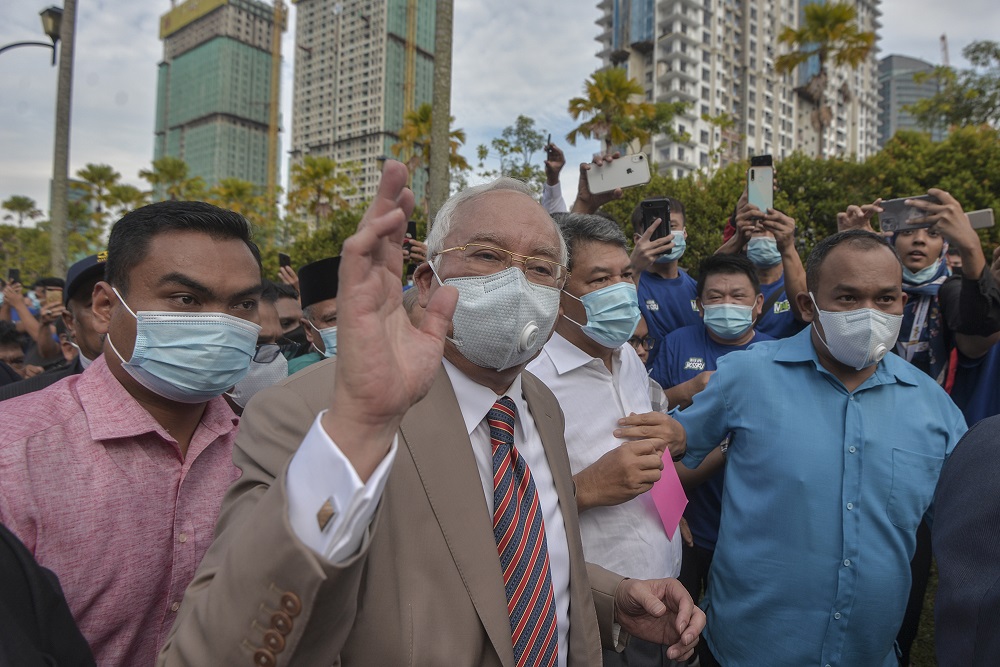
<point>113,478</point>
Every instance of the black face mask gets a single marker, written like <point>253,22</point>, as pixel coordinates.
<point>956,271</point>
<point>298,335</point>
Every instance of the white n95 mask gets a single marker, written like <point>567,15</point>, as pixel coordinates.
<point>501,320</point>
<point>858,338</point>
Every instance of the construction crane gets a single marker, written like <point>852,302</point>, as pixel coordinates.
<point>944,51</point>
<point>279,26</point>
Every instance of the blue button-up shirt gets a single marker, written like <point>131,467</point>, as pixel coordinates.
<point>824,491</point>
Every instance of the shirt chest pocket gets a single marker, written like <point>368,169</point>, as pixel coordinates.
<point>914,477</point>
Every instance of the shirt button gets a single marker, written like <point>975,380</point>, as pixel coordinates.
<point>175,606</point>
<point>837,616</point>
<point>182,538</point>
<point>847,563</point>
<point>852,449</point>
<point>850,506</point>
<point>851,398</point>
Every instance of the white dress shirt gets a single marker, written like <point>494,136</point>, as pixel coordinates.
<point>552,199</point>
<point>319,472</point>
<point>628,538</point>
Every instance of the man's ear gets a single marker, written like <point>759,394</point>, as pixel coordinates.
<point>806,307</point>
<point>701,308</point>
<point>67,318</point>
<point>104,303</point>
<point>423,280</point>
<point>758,306</point>
<point>308,330</point>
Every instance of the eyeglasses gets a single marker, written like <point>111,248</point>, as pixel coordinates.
<point>487,259</point>
<point>646,342</point>
<point>266,353</point>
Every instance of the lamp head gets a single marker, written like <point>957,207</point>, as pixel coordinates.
<point>52,22</point>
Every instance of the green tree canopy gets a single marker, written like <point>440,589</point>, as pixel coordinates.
<point>20,208</point>
<point>964,97</point>
<point>170,179</point>
<point>515,148</point>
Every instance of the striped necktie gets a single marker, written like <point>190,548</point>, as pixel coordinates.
<point>520,536</point>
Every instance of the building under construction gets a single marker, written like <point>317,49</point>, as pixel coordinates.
<point>360,65</point>
<point>217,91</point>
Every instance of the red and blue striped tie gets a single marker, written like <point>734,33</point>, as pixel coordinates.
<point>524,555</point>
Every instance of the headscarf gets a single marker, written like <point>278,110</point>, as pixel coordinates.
<point>921,336</point>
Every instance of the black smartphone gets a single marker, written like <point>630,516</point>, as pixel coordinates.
<point>14,275</point>
<point>897,216</point>
<point>411,233</point>
<point>284,260</point>
<point>652,209</point>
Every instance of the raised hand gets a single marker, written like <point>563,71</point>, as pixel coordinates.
<point>555,161</point>
<point>586,201</point>
<point>288,276</point>
<point>384,363</point>
<point>660,611</point>
<point>949,219</point>
<point>782,226</point>
<point>646,251</point>
<point>859,217</point>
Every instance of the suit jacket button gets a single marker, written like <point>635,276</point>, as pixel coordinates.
<point>281,622</point>
<point>274,640</point>
<point>263,658</point>
<point>291,604</point>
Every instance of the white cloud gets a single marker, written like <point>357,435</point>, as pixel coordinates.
<point>516,57</point>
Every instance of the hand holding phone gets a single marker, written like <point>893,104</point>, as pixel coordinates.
<point>284,259</point>
<point>14,275</point>
<point>627,171</point>
<point>653,209</point>
<point>760,182</point>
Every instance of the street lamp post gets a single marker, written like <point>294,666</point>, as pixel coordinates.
<point>60,160</point>
<point>51,18</point>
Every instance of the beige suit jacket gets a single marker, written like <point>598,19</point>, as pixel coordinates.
<point>425,587</point>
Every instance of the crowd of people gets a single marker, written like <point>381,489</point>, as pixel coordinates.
<point>525,440</point>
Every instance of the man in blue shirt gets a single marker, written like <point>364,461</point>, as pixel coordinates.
<point>729,300</point>
<point>667,294</point>
<point>835,452</point>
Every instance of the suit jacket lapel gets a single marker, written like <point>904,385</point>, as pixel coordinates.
<point>434,432</point>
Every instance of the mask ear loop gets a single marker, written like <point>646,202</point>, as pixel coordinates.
<point>567,317</point>
<point>108,335</point>
<point>454,341</point>
<point>820,335</point>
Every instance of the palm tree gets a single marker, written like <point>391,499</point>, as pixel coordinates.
<point>414,146</point>
<point>100,178</point>
<point>829,32</point>
<point>169,177</point>
<point>614,109</point>
<point>21,206</point>
<point>319,185</point>
<point>124,198</point>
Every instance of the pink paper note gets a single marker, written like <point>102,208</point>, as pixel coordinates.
<point>669,497</point>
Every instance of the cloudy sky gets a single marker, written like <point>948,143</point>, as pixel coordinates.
<point>516,57</point>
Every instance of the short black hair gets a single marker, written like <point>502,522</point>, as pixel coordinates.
<point>130,237</point>
<point>270,292</point>
<point>675,207</point>
<point>736,265</point>
<point>285,291</point>
<point>577,228</point>
<point>9,334</point>
<point>858,238</point>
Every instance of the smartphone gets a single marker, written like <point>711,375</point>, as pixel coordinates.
<point>548,145</point>
<point>981,219</point>
<point>896,215</point>
<point>652,209</point>
<point>760,182</point>
<point>53,296</point>
<point>627,171</point>
<point>411,233</point>
<point>14,275</point>
<point>284,259</point>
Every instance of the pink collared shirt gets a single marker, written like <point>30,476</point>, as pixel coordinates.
<point>98,492</point>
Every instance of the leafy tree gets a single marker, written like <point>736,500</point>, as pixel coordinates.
<point>515,148</point>
<point>171,179</point>
<point>320,186</point>
<point>829,32</point>
<point>123,198</point>
<point>964,97</point>
<point>612,106</point>
<point>22,207</point>
<point>414,145</point>
<point>100,178</point>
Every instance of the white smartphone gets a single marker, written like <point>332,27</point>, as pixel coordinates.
<point>981,219</point>
<point>627,171</point>
<point>760,182</point>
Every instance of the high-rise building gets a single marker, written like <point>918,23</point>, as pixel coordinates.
<point>897,89</point>
<point>718,56</point>
<point>359,65</point>
<point>214,88</point>
<point>851,95</point>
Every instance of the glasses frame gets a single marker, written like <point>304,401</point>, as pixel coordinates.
<point>270,350</point>
<point>522,259</point>
<point>647,342</point>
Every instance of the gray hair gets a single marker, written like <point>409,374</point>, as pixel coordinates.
<point>581,228</point>
<point>445,218</point>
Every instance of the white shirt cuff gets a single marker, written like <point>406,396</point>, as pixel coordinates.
<point>320,473</point>
<point>552,199</point>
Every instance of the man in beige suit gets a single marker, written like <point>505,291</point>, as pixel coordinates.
<point>362,531</point>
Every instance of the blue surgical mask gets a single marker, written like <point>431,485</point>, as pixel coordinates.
<point>728,320</point>
<point>329,336</point>
<point>763,251</point>
<point>189,357</point>
<point>922,276</point>
<point>680,245</point>
<point>612,314</point>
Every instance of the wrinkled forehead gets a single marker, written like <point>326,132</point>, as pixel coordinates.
<point>506,219</point>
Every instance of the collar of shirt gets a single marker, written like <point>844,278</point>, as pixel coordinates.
<point>800,349</point>
<point>568,357</point>
<point>475,400</point>
<point>113,413</point>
